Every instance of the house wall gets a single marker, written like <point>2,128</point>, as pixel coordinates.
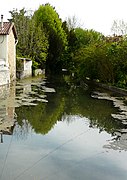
<point>4,77</point>
<point>4,66</point>
<point>3,48</point>
<point>12,55</point>
<point>27,69</point>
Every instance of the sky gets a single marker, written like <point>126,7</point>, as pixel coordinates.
<point>90,14</point>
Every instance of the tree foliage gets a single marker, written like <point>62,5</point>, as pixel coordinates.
<point>32,41</point>
<point>49,19</point>
<point>99,57</point>
<point>54,44</point>
<point>87,37</point>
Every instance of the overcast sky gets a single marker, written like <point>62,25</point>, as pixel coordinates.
<point>92,14</point>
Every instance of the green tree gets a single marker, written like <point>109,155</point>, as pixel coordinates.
<point>117,54</point>
<point>85,64</point>
<point>22,26</point>
<point>32,41</point>
<point>84,58</point>
<point>86,37</point>
<point>38,46</point>
<point>71,48</point>
<point>49,19</point>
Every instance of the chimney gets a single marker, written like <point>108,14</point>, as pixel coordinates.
<point>1,21</point>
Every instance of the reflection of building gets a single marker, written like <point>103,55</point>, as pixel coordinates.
<point>27,88</point>
<point>7,108</point>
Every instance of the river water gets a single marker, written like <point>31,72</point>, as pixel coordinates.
<point>62,132</point>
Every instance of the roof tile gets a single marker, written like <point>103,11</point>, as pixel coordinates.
<point>5,29</point>
<point>7,26</point>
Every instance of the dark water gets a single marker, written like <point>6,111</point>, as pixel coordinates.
<point>61,132</point>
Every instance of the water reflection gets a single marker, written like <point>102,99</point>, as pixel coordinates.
<point>7,108</point>
<point>66,101</point>
<point>61,132</point>
<point>119,142</point>
<point>21,132</point>
<point>28,92</point>
<point>24,93</point>
<point>38,105</point>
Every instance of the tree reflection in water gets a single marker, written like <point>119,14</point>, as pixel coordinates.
<point>65,100</point>
<point>39,104</point>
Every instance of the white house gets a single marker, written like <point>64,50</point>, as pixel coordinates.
<point>8,41</point>
<point>24,68</point>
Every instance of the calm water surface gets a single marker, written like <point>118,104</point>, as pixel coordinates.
<point>61,132</point>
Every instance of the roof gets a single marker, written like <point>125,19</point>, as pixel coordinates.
<point>7,27</point>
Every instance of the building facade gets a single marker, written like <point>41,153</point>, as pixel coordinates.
<point>8,41</point>
<point>24,68</point>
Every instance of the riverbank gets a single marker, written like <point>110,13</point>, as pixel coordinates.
<point>117,95</point>
<point>112,88</point>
